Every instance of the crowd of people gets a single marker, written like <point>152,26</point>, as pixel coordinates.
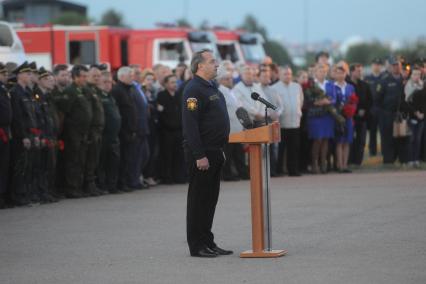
<point>84,131</point>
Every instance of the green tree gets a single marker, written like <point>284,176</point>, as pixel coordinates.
<point>273,48</point>
<point>112,18</point>
<point>277,52</point>
<point>70,19</point>
<point>251,24</point>
<point>183,23</point>
<point>365,52</point>
<point>414,51</point>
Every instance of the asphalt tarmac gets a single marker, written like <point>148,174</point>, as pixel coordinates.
<point>365,227</point>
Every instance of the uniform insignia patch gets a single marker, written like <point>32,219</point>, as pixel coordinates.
<point>214,97</point>
<point>192,104</point>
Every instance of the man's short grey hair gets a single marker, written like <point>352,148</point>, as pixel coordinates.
<point>222,71</point>
<point>243,67</point>
<point>123,71</point>
<point>198,58</point>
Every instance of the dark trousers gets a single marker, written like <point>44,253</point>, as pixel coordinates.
<point>290,141</point>
<point>392,148</point>
<point>358,145</point>
<point>109,162</point>
<point>127,155</point>
<point>203,194</point>
<point>21,168</point>
<point>139,161</point>
<point>172,158</point>
<point>152,167</point>
<point>373,124</point>
<point>92,161</point>
<point>234,157</point>
<point>75,153</point>
<point>415,140</point>
<point>4,170</point>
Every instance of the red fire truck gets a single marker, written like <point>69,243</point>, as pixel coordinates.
<point>52,45</point>
<point>240,46</point>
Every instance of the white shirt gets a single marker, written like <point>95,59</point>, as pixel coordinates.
<point>292,100</point>
<point>272,96</point>
<point>321,85</point>
<point>243,95</point>
<point>231,105</point>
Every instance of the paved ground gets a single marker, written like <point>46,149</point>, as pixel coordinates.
<point>359,228</point>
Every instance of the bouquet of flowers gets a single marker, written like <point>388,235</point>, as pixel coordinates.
<point>349,108</point>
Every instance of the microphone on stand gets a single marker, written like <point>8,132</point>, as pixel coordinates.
<point>255,96</point>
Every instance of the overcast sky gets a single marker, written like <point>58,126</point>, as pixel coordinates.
<point>327,19</point>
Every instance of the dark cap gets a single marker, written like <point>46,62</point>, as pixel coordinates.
<point>24,67</point>
<point>33,66</point>
<point>393,60</point>
<point>3,68</point>
<point>43,73</point>
<point>377,61</point>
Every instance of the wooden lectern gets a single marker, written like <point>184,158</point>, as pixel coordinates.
<point>258,140</point>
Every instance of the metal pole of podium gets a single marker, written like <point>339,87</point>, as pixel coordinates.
<point>267,196</point>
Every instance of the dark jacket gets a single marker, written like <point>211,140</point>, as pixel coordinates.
<point>362,90</point>
<point>24,116</point>
<point>205,119</point>
<point>112,118</point>
<point>169,111</point>
<point>125,102</point>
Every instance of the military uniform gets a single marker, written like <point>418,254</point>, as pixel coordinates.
<point>110,150</point>
<point>390,93</point>
<point>5,122</point>
<point>205,123</point>
<point>24,126</point>
<point>372,122</point>
<point>94,140</point>
<point>78,116</point>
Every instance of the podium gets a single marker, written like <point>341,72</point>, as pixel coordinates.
<point>258,140</point>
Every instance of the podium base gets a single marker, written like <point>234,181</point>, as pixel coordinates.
<point>263,254</point>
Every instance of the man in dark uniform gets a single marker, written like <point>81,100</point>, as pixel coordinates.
<point>95,132</point>
<point>25,133</point>
<point>362,90</point>
<point>205,123</point>
<point>391,99</point>
<point>77,109</point>
<point>5,122</point>
<point>44,120</point>
<point>373,80</point>
<point>110,150</point>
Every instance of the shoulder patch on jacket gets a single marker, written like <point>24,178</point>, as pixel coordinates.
<point>192,104</point>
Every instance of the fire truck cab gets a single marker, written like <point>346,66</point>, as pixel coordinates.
<point>11,48</point>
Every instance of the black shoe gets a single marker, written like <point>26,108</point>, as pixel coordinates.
<point>294,175</point>
<point>204,252</point>
<point>346,171</point>
<point>220,251</point>
<point>232,178</point>
<point>73,194</point>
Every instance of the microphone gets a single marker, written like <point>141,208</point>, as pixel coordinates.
<point>255,96</point>
<point>244,118</point>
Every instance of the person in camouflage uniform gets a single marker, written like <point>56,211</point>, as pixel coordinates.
<point>76,107</point>
<point>110,150</point>
<point>95,133</point>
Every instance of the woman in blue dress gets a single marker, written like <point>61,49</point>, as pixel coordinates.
<point>320,122</point>
<point>346,101</point>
